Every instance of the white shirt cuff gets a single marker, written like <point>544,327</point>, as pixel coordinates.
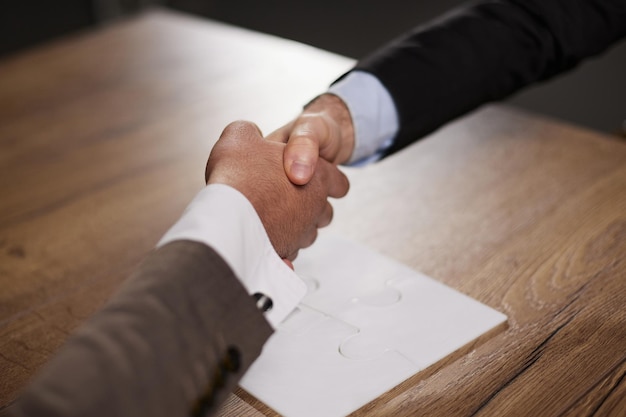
<point>373,112</point>
<point>223,218</point>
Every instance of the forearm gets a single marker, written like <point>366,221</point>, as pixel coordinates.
<point>178,336</point>
<point>182,331</point>
<point>487,52</point>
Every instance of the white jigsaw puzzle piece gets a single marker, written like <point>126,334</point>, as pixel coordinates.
<point>419,325</point>
<point>302,373</point>
<point>367,324</point>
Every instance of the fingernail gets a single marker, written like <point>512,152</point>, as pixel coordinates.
<point>300,170</point>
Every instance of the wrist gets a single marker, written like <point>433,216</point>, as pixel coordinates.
<point>223,218</point>
<point>335,110</point>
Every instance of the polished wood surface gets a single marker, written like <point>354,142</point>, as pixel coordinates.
<point>103,140</point>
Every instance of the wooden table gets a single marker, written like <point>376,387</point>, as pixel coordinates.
<point>103,140</point>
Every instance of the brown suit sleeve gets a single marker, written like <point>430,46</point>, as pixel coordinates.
<point>174,341</point>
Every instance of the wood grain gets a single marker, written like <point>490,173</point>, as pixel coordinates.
<point>529,217</point>
<point>103,140</point>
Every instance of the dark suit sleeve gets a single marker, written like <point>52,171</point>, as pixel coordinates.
<point>173,342</point>
<point>486,52</point>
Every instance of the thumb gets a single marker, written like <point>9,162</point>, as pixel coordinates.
<point>309,135</point>
<point>300,159</point>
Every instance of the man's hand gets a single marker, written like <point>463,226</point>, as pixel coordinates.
<point>324,129</point>
<point>291,214</point>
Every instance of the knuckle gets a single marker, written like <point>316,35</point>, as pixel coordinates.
<point>241,128</point>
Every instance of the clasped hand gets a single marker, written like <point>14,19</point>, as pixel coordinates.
<point>323,130</point>
<point>290,213</point>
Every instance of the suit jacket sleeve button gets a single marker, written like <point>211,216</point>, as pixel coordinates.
<point>232,360</point>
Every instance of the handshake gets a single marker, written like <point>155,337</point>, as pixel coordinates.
<point>289,175</point>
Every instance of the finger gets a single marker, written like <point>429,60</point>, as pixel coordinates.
<point>288,263</point>
<point>336,182</point>
<point>308,136</point>
<point>281,134</point>
<point>309,239</point>
<point>326,217</point>
<point>300,159</point>
<point>292,257</point>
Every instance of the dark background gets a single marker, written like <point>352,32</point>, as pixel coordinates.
<point>594,95</point>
